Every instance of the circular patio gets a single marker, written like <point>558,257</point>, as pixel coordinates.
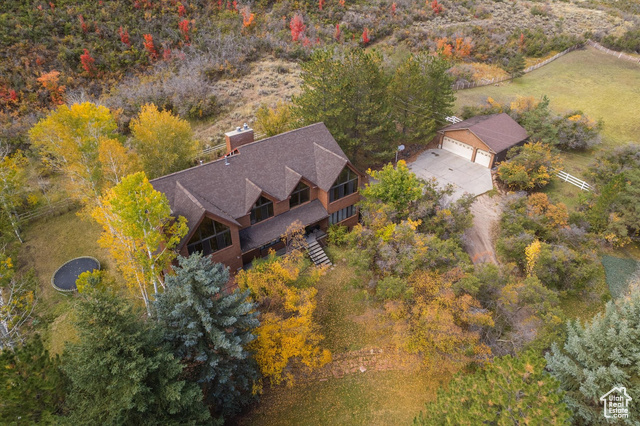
<point>64,279</point>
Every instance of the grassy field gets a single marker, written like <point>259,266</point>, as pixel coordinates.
<point>600,85</point>
<point>49,243</point>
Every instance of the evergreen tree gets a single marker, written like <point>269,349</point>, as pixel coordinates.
<point>120,372</point>
<point>515,66</point>
<point>597,356</point>
<point>508,391</point>
<point>421,96</point>
<point>209,330</point>
<point>31,384</point>
<point>347,90</point>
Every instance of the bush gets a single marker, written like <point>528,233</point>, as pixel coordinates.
<point>337,234</point>
<point>391,287</point>
<point>528,167</point>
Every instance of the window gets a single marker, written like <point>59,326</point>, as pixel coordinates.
<point>346,184</point>
<point>210,237</point>
<point>262,209</point>
<point>342,214</point>
<point>299,195</point>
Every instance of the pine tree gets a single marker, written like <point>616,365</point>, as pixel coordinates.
<point>209,331</point>
<point>121,372</point>
<point>421,96</point>
<point>508,391</point>
<point>515,66</point>
<point>597,356</point>
<point>347,90</point>
<point>31,384</point>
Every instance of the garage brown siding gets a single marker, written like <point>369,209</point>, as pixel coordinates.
<point>466,136</point>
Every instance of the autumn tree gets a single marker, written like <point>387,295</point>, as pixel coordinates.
<point>421,96</point>
<point>348,92</point>
<point>508,390</point>
<point>443,325</point>
<point>87,62</point>
<point>50,82</point>
<point>210,330</point>
<point>150,47</point>
<point>140,233</point>
<point>288,332</point>
<point>163,141</point>
<point>31,384</point>
<point>529,167</point>
<point>121,372</point>
<point>297,27</point>
<point>71,140</point>
<point>13,186</point>
<point>273,121</point>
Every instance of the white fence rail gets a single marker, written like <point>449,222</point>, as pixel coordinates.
<point>615,53</point>
<point>573,180</point>
<point>484,82</point>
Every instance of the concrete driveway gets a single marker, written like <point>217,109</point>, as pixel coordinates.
<point>447,168</point>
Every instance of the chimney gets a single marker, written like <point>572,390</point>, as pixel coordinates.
<point>241,136</point>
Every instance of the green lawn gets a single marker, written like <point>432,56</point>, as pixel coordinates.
<point>600,85</point>
<point>50,242</point>
<point>370,398</point>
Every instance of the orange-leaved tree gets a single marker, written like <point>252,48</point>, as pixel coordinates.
<point>140,233</point>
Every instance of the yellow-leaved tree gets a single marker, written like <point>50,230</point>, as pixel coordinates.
<point>273,121</point>
<point>287,331</point>
<point>80,142</point>
<point>163,141</point>
<point>13,183</point>
<point>140,233</point>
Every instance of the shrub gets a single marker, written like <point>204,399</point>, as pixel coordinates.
<point>528,167</point>
<point>391,287</point>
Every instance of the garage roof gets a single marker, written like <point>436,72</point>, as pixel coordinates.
<point>498,131</point>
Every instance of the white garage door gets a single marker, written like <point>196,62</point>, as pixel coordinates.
<point>462,149</point>
<point>483,158</point>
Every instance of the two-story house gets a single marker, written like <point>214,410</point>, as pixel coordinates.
<point>237,207</point>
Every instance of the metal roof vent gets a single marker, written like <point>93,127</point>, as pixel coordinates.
<point>245,127</point>
<point>239,129</point>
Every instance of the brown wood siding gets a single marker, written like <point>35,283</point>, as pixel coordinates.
<point>280,207</point>
<point>466,136</point>
<point>343,202</point>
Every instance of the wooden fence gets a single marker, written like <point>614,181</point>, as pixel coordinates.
<point>620,55</point>
<point>484,82</point>
<point>49,209</point>
<point>573,180</point>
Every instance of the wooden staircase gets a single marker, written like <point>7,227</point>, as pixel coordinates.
<point>317,254</point>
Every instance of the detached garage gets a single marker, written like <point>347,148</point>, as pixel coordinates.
<point>483,139</point>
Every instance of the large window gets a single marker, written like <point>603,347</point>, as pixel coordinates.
<point>210,236</point>
<point>342,214</point>
<point>262,209</point>
<point>346,184</point>
<point>299,195</point>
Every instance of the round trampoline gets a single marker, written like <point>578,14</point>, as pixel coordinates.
<point>64,279</point>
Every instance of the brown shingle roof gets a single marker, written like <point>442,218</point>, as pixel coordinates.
<point>499,131</point>
<point>271,229</point>
<point>273,165</point>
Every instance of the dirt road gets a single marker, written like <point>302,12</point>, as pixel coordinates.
<point>478,239</point>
